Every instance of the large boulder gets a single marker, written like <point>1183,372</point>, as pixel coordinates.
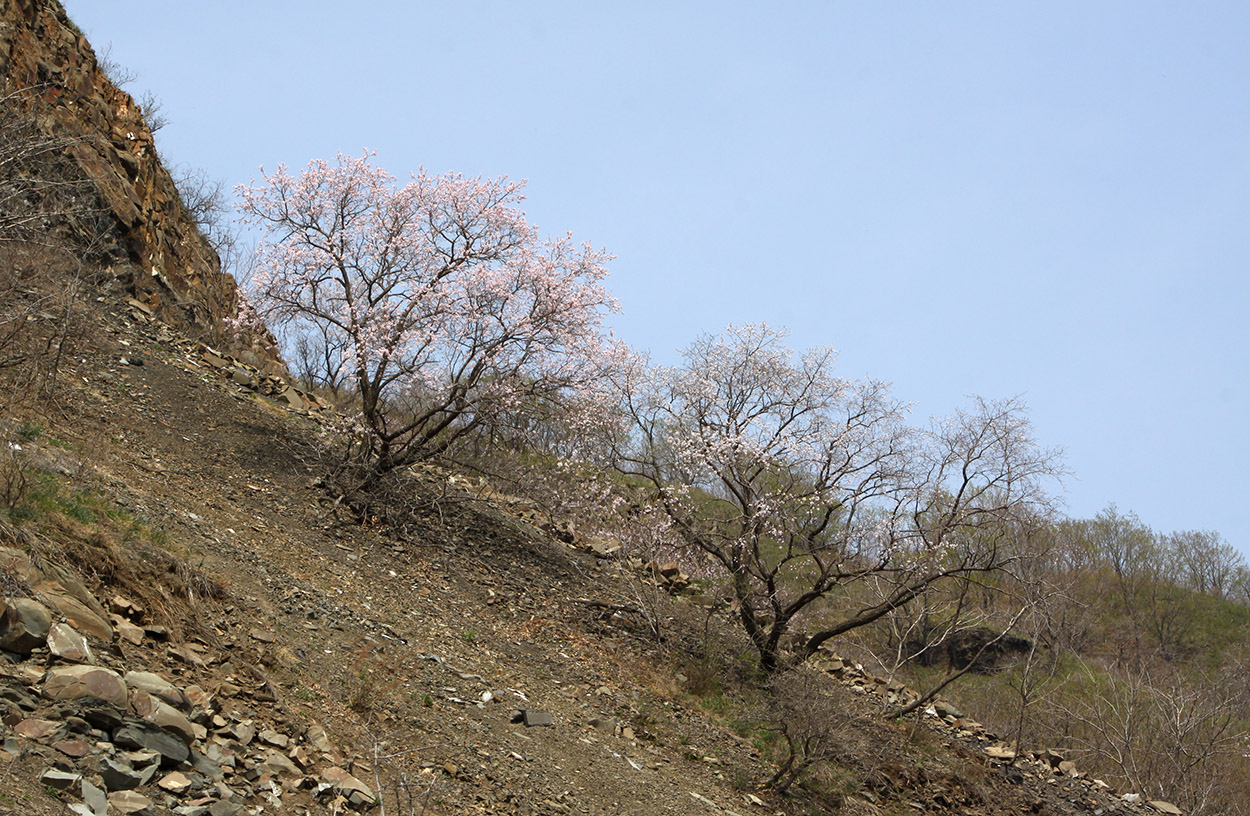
<point>77,682</point>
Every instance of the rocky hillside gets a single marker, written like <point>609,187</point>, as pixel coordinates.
<point>49,70</point>
<point>190,628</point>
<point>190,624</point>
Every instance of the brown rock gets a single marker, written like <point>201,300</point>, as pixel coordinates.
<point>186,655</point>
<point>75,682</point>
<point>214,359</point>
<point>347,784</point>
<point>175,782</point>
<point>75,748</point>
<point>318,739</point>
<point>24,625</point>
<point>603,547</point>
<point>67,644</point>
<point>126,607</point>
<point>292,398</point>
<point>42,730</point>
<point>241,376</point>
<point>64,592</point>
<point>158,712</point>
<point>271,737</point>
<point>128,631</point>
<point>160,687</point>
<point>279,765</point>
<point>130,803</point>
<point>199,698</point>
<point>60,589</point>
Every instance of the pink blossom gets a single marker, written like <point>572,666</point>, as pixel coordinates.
<point>434,299</point>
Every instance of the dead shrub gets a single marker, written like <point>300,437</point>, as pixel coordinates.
<point>15,478</point>
<point>371,677</point>
<point>811,716</point>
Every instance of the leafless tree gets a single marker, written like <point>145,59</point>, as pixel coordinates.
<point>49,216</point>
<point>1208,563</point>
<point>122,76</point>
<point>40,188</point>
<point>1165,734</point>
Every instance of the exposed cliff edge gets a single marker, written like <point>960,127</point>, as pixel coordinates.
<point>155,250</point>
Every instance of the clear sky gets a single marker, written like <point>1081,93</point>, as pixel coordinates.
<point>998,198</point>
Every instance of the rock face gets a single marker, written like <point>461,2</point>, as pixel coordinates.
<point>982,648</point>
<point>157,253</point>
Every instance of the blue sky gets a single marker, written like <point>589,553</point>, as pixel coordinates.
<point>1002,198</point>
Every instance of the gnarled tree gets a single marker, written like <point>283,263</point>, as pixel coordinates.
<point>799,485</point>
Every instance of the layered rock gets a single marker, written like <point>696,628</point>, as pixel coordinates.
<point>157,252</point>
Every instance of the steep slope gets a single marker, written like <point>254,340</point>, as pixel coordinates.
<point>48,69</point>
<point>169,487</point>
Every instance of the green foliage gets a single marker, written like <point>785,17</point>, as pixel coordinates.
<point>29,431</point>
<point>45,495</point>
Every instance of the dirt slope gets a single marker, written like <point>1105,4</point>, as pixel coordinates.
<point>278,619</point>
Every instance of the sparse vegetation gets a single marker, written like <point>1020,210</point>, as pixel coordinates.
<point>809,513</point>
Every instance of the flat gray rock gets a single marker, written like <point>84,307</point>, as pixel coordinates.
<point>537,718</point>
<point>154,738</point>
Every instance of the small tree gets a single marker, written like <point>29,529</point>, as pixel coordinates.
<point>436,300</point>
<point>797,483</point>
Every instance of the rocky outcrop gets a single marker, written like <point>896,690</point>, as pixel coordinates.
<point>983,648</point>
<point>155,249</point>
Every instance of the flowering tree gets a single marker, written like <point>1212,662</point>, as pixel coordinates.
<point>797,483</point>
<point>435,301</point>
